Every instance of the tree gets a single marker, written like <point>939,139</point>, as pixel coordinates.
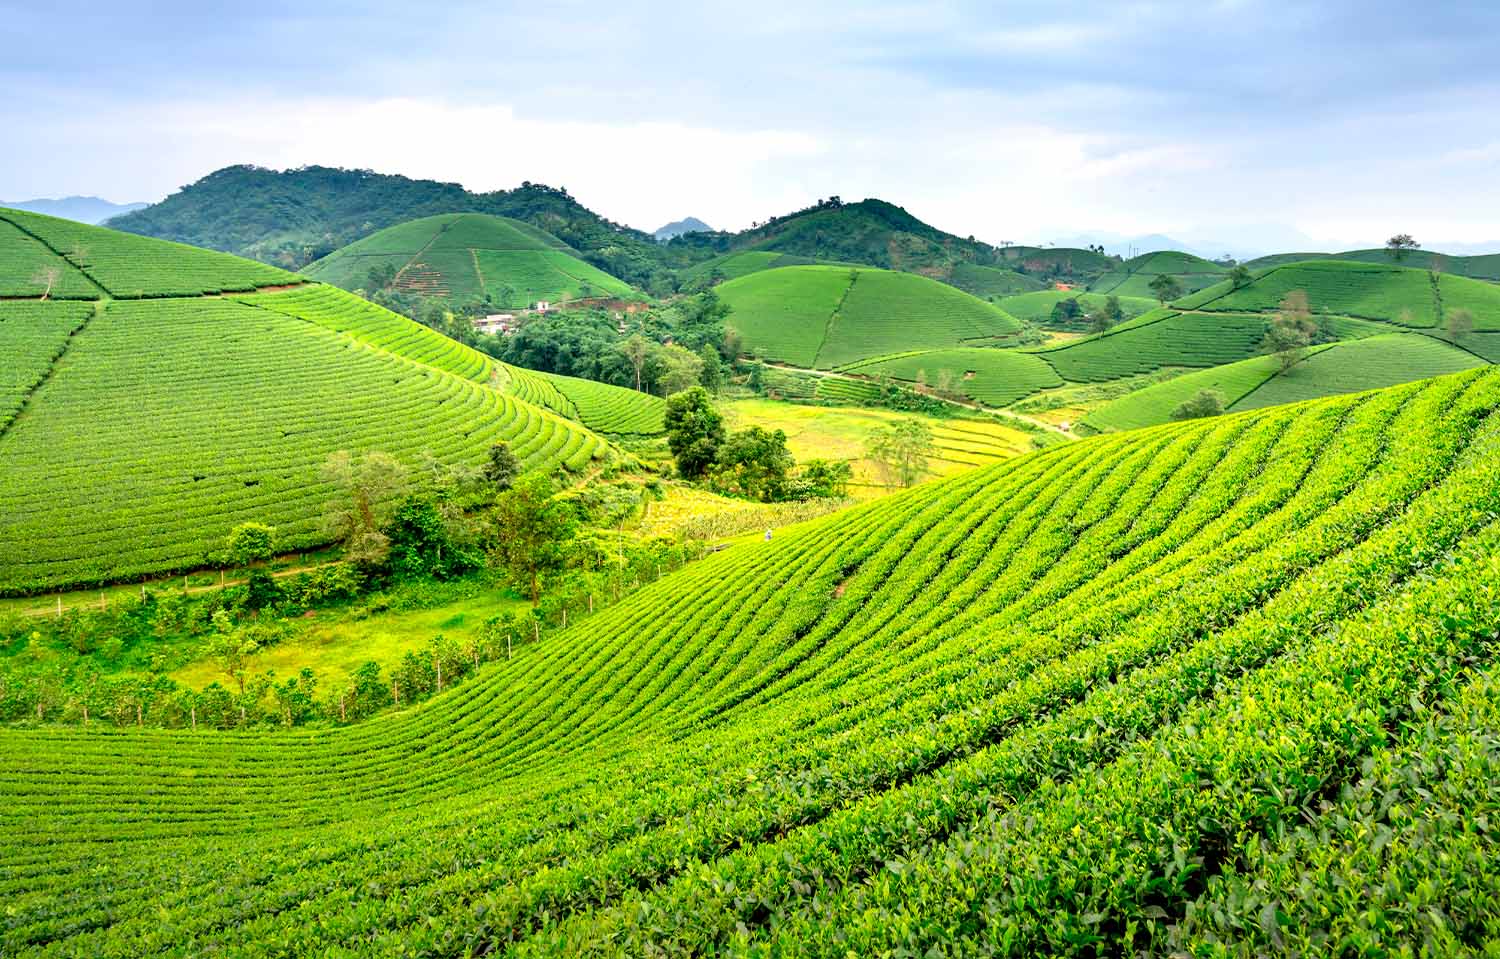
<point>636,350</point>
<point>826,478</point>
<point>503,467</point>
<point>753,463</point>
<point>1166,287</point>
<point>695,431</point>
<point>231,648</point>
<point>1201,404</point>
<point>47,277</point>
<point>368,486</point>
<point>901,450</point>
<point>1398,245</point>
<point>1065,312</point>
<point>1460,323</point>
<point>1239,277</point>
<point>249,544</point>
<point>420,543</point>
<point>681,369</point>
<point>533,531</point>
<point>1290,331</point>
<point>712,376</point>
<point>1112,308</point>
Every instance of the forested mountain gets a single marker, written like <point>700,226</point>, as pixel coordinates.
<point>877,233</point>
<point>292,217</point>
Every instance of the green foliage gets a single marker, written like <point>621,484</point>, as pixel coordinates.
<point>1243,662</point>
<point>421,545</point>
<point>503,467</point>
<point>695,431</point>
<point>532,532</point>
<point>250,543</point>
<point>823,478</point>
<point>752,463</point>
<point>1166,288</point>
<point>901,451</point>
<point>1200,404</point>
<point>1135,277</point>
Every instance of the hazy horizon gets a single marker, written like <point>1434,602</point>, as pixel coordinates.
<point>1228,122</point>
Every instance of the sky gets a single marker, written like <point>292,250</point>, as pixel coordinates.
<point>1284,124</point>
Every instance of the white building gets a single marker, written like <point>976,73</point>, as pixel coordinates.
<point>501,323</point>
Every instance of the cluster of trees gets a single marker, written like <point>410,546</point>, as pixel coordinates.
<point>1166,288</point>
<point>753,463</point>
<point>1068,314</point>
<point>1294,328</point>
<point>662,352</point>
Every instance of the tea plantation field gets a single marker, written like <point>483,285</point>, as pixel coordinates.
<point>1226,687</point>
<point>471,256</point>
<point>1134,276</point>
<point>828,316</point>
<point>136,432</point>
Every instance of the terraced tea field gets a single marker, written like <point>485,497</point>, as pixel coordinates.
<point>1133,277</point>
<point>826,316</point>
<point>135,432</point>
<point>471,257</point>
<point>1176,690</point>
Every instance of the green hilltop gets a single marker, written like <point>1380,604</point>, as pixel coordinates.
<point>1134,276</point>
<point>468,258</point>
<point>1247,663</point>
<point>1482,267</point>
<point>293,217</point>
<point>181,391</point>
<point>827,316</point>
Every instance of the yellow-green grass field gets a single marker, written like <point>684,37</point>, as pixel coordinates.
<point>840,433</point>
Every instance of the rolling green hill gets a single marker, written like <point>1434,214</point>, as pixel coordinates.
<point>825,316</point>
<point>868,233</point>
<point>136,429</point>
<point>1037,307</point>
<point>293,217</point>
<point>470,257</point>
<point>1380,291</point>
<point>1133,277</point>
<point>1482,267</point>
<point>1171,691</point>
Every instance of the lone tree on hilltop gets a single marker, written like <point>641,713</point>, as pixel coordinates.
<point>1290,331</point>
<point>695,431</point>
<point>1398,246</point>
<point>901,451</point>
<point>1166,287</point>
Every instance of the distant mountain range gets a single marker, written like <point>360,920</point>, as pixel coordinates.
<point>678,227</point>
<point>84,209</point>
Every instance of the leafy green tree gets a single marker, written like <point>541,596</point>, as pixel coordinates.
<point>231,648</point>
<point>1239,277</point>
<point>503,467</point>
<point>753,463</point>
<point>826,478</point>
<point>533,530</point>
<point>1459,323</point>
<point>1290,331</point>
<point>901,450</point>
<point>1399,245</point>
<point>712,375</point>
<point>1200,404</point>
<point>250,543</point>
<point>695,431</point>
<point>637,350</point>
<point>679,368</point>
<point>421,544</point>
<point>1113,310</point>
<point>368,486</point>
<point>1065,312</point>
<point>1166,288</point>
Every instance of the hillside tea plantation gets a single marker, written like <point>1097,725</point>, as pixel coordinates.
<point>830,316</point>
<point>137,430</point>
<point>1225,687</point>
